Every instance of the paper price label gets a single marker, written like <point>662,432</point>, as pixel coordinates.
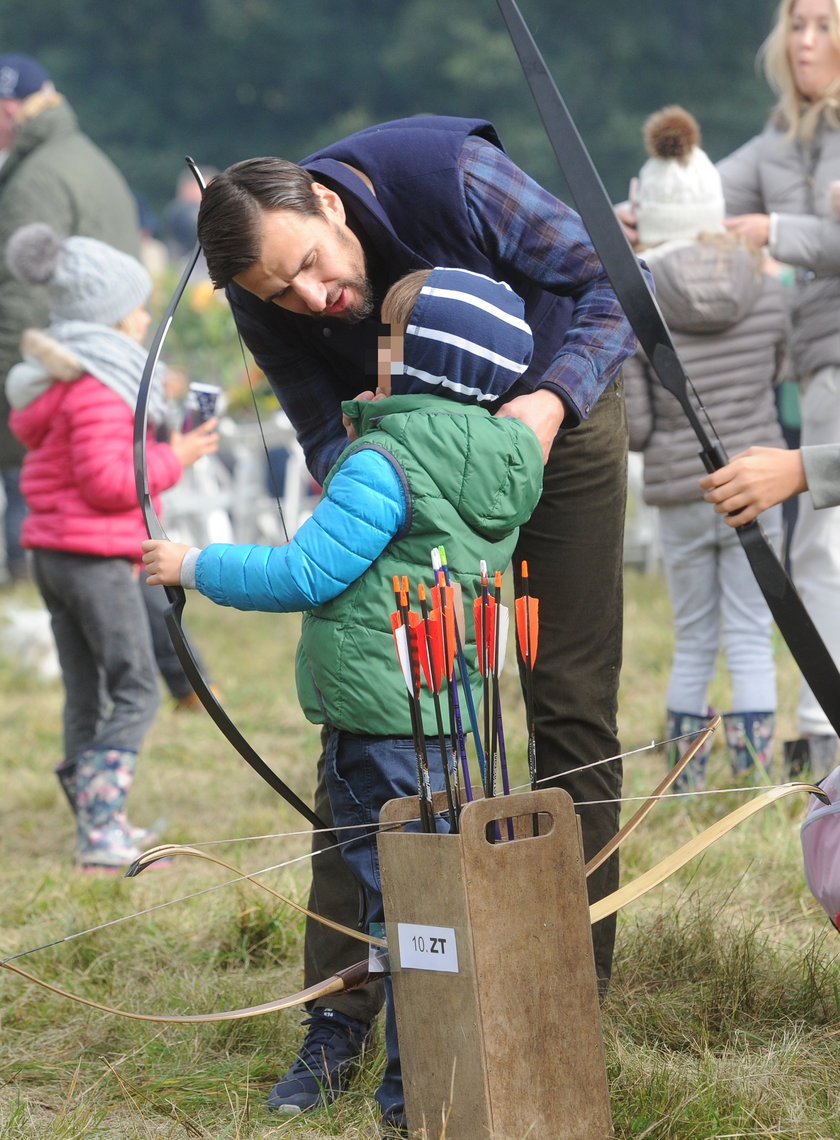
<point>427,948</point>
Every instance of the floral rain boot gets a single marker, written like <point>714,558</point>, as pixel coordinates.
<point>687,725</point>
<point>749,741</point>
<point>142,837</point>
<point>103,779</point>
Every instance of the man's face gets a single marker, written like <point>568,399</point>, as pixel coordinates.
<point>311,265</point>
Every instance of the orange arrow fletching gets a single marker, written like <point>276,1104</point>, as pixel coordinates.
<point>434,625</point>
<point>527,627</point>
<point>419,649</point>
<point>484,613</point>
<point>443,602</point>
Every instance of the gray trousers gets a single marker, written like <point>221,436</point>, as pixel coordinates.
<point>104,647</point>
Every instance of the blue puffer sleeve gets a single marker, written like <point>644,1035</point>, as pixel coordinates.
<point>364,507</point>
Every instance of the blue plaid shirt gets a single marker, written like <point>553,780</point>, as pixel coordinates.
<point>521,226</point>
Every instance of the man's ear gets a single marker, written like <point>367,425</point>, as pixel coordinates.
<point>330,203</point>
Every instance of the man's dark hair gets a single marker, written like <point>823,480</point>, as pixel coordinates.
<point>230,227</point>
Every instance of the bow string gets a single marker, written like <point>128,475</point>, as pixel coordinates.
<point>376,966</point>
<point>175,594</point>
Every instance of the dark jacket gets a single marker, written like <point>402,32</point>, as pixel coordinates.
<point>53,174</point>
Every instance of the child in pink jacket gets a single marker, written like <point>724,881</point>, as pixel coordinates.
<point>73,399</point>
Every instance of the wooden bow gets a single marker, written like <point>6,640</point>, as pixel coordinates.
<point>171,850</point>
<point>354,976</point>
<point>376,965</point>
<point>359,974</point>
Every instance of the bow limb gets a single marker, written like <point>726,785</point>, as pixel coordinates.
<point>625,274</point>
<point>660,789</point>
<point>175,594</point>
<point>170,850</point>
<point>342,982</point>
<point>696,846</point>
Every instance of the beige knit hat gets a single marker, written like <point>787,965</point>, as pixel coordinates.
<point>678,193</point>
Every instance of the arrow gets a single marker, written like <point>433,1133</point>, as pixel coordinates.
<point>434,655</point>
<point>403,623</point>
<point>444,612</point>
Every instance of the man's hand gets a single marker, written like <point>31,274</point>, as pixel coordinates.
<point>352,434</point>
<point>754,480</point>
<point>542,411</point>
<point>162,560</point>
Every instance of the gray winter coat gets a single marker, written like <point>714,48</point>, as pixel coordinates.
<point>774,175</point>
<point>822,470</point>
<point>53,174</point>
<point>729,325</point>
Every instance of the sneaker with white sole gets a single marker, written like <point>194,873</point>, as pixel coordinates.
<point>324,1064</point>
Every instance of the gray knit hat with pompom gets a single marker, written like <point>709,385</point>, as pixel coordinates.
<point>86,280</point>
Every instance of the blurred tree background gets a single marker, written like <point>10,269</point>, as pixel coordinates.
<point>223,80</point>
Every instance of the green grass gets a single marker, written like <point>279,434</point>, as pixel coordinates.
<point>723,1019</point>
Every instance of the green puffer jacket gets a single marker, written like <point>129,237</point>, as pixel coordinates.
<point>471,480</point>
<point>53,174</point>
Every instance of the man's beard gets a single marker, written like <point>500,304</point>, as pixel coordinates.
<point>366,303</point>
<point>361,283</point>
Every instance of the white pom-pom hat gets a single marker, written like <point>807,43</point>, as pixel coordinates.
<point>678,193</point>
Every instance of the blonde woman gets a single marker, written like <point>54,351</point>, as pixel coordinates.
<point>777,190</point>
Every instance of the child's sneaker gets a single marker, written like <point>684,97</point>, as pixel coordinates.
<point>324,1063</point>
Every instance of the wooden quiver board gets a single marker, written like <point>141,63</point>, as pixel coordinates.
<point>494,980</point>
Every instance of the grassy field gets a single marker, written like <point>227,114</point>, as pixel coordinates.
<point>723,1019</point>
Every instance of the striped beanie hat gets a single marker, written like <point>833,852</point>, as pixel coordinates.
<point>466,339</point>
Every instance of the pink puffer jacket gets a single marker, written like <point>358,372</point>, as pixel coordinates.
<point>78,475</point>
